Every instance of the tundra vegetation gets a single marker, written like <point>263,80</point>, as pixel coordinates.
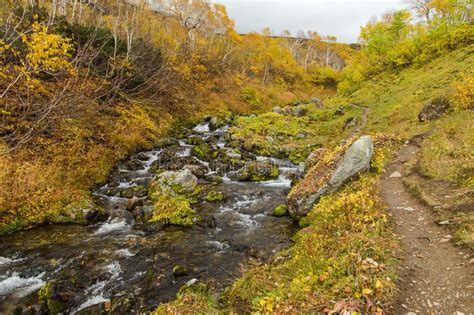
<point>84,84</point>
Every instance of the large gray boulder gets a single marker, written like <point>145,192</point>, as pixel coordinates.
<point>355,161</point>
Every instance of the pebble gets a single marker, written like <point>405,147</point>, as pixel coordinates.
<point>395,175</point>
<point>445,222</point>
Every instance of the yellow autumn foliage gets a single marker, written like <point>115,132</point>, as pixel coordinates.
<point>47,52</point>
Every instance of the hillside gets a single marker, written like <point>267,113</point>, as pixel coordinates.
<point>161,163</point>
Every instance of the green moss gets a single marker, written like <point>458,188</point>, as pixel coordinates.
<point>174,210</point>
<point>194,141</point>
<point>214,196</point>
<point>180,270</point>
<point>130,192</point>
<point>201,151</point>
<point>280,211</point>
<point>45,297</point>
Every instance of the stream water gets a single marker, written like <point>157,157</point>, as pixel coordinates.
<point>129,266</point>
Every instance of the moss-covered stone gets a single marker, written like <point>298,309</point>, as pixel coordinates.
<point>54,295</point>
<point>175,210</point>
<point>180,270</point>
<point>280,211</point>
<point>214,196</point>
<point>257,171</point>
<point>195,140</point>
<point>201,151</point>
<point>134,191</point>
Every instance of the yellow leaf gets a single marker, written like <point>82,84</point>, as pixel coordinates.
<point>378,284</point>
<point>367,291</point>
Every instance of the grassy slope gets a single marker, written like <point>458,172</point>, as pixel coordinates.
<point>327,268</point>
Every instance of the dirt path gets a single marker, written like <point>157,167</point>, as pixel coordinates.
<point>436,277</point>
<point>363,123</point>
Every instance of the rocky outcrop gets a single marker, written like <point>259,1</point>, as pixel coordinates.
<point>355,160</point>
<point>434,109</point>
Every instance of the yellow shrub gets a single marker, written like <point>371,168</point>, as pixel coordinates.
<point>47,52</point>
<point>463,93</point>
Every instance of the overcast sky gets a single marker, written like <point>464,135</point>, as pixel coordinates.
<point>341,18</point>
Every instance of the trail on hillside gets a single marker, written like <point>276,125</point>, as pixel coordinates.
<point>363,123</point>
<point>436,277</point>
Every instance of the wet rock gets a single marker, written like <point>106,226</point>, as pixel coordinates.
<point>280,211</point>
<point>205,152</point>
<point>277,109</point>
<point>256,171</point>
<point>133,165</point>
<point>56,295</point>
<point>84,212</point>
<point>212,140</point>
<point>170,160</point>
<point>215,123</point>
<point>143,213</point>
<point>233,154</point>
<point>142,156</point>
<point>167,142</point>
<point>350,123</point>
<point>356,160</point>
<point>194,140</point>
<point>213,179</point>
<point>207,221</point>
<point>180,270</point>
<point>434,109</point>
<point>134,202</point>
<point>134,191</point>
<point>198,170</point>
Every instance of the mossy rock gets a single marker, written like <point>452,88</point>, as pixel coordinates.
<point>55,294</point>
<point>174,210</point>
<point>214,179</point>
<point>180,270</point>
<point>214,196</point>
<point>195,140</point>
<point>134,191</point>
<point>280,211</point>
<point>256,171</point>
<point>205,152</point>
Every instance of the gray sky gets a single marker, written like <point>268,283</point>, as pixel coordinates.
<point>341,18</point>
